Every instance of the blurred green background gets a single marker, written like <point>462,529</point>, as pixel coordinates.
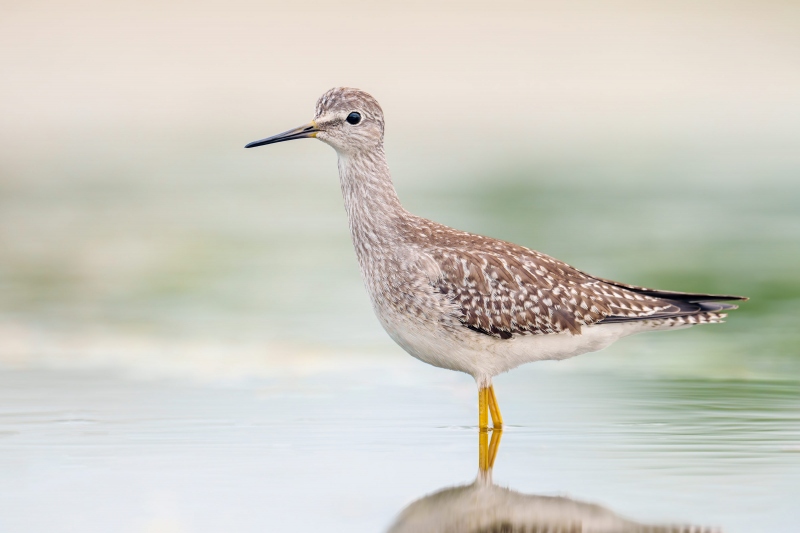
<point>655,143</point>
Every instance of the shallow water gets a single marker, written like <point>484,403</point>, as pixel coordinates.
<point>350,448</point>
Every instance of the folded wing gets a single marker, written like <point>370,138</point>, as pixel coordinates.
<point>503,289</point>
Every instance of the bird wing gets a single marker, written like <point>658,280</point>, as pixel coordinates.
<point>503,289</point>
<point>691,297</point>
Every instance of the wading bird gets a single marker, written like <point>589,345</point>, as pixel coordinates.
<point>470,303</point>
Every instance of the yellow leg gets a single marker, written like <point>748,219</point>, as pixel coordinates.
<point>483,450</point>
<point>497,418</point>
<point>494,445</point>
<point>483,409</point>
<point>487,450</point>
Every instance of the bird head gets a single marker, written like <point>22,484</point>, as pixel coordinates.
<point>348,119</point>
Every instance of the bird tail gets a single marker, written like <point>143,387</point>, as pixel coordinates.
<point>689,297</point>
<point>692,308</point>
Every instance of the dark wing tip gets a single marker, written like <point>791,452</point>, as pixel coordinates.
<point>713,307</point>
<point>700,298</point>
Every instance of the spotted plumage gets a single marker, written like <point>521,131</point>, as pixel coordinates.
<point>503,289</point>
<point>466,302</point>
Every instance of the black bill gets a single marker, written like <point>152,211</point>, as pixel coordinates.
<point>309,130</point>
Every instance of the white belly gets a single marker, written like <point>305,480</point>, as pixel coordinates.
<point>484,356</point>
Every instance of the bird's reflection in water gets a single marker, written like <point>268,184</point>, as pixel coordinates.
<point>483,507</point>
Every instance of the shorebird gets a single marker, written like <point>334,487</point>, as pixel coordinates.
<point>470,303</point>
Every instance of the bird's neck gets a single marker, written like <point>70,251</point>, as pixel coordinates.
<point>373,208</point>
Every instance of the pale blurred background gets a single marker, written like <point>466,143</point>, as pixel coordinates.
<point>657,143</point>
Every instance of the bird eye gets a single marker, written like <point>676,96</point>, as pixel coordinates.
<point>354,118</point>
